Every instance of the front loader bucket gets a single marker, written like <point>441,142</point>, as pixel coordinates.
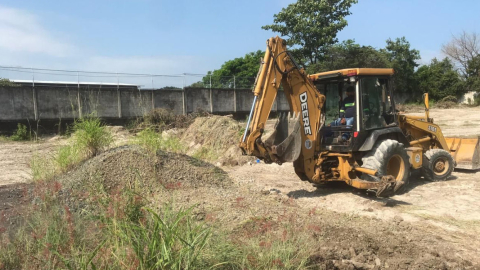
<point>286,140</point>
<point>465,152</point>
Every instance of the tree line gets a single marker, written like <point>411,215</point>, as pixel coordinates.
<point>310,28</point>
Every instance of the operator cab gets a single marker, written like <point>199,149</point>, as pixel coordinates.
<point>374,107</point>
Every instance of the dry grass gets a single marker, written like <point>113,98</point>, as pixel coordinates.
<point>215,139</point>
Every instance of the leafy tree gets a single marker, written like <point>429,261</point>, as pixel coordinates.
<point>403,60</point>
<point>473,74</point>
<point>348,54</point>
<point>7,83</point>
<point>439,79</point>
<point>197,85</point>
<point>312,25</point>
<point>244,69</point>
<point>170,88</point>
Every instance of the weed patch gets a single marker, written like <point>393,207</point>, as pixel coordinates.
<point>21,133</point>
<point>91,136</point>
<point>162,119</point>
<point>152,141</point>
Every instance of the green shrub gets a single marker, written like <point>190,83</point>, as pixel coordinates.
<point>91,136</point>
<point>7,83</point>
<point>21,133</point>
<point>148,139</point>
<point>152,141</point>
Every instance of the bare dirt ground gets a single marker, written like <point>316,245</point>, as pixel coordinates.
<point>15,158</point>
<point>449,210</point>
<point>459,121</point>
<point>439,218</point>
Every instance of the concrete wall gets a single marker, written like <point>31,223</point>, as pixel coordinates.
<point>244,100</point>
<point>16,104</point>
<point>223,100</point>
<point>197,99</point>
<point>102,102</point>
<point>50,103</point>
<point>169,99</point>
<point>56,103</point>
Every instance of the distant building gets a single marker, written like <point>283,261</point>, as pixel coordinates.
<point>88,85</point>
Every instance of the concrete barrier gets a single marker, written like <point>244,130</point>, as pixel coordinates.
<point>16,104</point>
<point>53,103</point>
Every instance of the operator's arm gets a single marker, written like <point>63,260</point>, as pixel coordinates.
<point>342,109</point>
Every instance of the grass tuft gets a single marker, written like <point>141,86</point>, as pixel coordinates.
<point>153,141</point>
<point>91,136</point>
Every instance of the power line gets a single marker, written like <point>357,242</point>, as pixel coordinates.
<point>31,70</point>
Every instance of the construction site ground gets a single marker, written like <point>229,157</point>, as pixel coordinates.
<point>440,220</point>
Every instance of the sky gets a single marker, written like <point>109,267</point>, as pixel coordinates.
<point>176,37</point>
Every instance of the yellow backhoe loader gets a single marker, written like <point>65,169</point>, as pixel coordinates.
<point>374,148</point>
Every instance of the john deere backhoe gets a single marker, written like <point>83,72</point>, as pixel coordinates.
<point>376,151</point>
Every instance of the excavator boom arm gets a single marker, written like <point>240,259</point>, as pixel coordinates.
<point>306,102</point>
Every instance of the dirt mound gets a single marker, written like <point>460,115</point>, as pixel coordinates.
<point>130,166</point>
<point>161,119</point>
<point>215,138</point>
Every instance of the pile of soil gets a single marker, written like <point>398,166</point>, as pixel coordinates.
<point>131,166</point>
<point>217,135</point>
<point>161,119</point>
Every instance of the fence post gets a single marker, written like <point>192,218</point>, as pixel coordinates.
<point>234,95</point>
<point>35,101</point>
<point>153,101</point>
<point>184,97</point>
<point>78,97</point>
<point>234,100</point>
<point>119,101</point>
<point>211,101</point>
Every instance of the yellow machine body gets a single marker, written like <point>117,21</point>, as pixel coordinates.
<point>423,133</point>
<point>299,138</point>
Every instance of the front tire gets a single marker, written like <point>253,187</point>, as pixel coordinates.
<point>388,158</point>
<point>437,165</point>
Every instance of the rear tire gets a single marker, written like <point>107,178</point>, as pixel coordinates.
<point>437,165</point>
<point>388,158</point>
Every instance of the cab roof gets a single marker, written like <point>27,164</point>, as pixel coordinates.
<point>352,72</point>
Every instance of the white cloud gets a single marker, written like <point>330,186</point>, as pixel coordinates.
<point>22,32</point>
<point>26,42</point>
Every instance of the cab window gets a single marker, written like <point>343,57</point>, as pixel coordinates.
<point>376,102</point>
<point>331,105</point>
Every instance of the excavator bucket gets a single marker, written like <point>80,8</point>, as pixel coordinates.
<point>286,140</point>
<point>465,152</point>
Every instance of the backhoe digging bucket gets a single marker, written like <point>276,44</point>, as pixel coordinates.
<point>465,152</point>
<point>286,140</point>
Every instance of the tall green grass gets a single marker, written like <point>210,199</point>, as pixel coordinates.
<point>167,240</point>
<point>152,141</point>
<point>91,136</point>
<point>126,231</point>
